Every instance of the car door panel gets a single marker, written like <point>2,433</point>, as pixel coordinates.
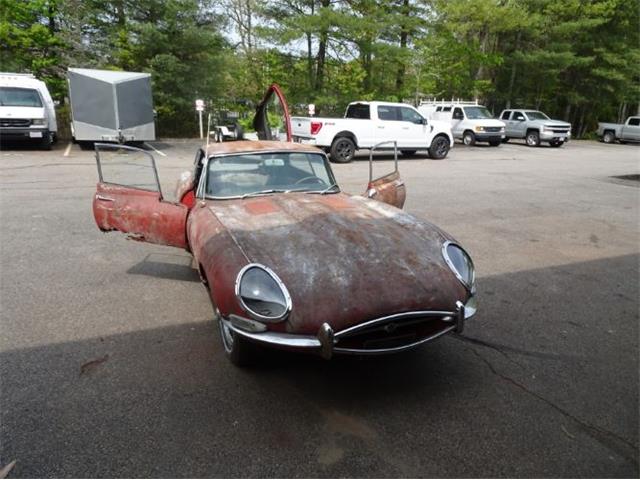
<point>389,188</point>
<point>128,198</point>
<point>272,120</point>
<point>140,214</point>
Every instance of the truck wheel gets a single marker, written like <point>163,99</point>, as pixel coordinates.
<point>439,147</point>
<point>609,137</point>
<point>408,153</point>
<point>533,138</point>
<point>342,150</point>
<point>469,138</point>
<point>47,141</point>
<point>505,140</point>
<point>495,143</point>
<point>556,143</point>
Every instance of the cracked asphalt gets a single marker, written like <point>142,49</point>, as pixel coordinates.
<point>111,364</point>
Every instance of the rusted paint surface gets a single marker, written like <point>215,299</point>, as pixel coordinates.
<point>184,189</point>
<point>344,259</point>
<point>141,214</point>
<point>390,189</point>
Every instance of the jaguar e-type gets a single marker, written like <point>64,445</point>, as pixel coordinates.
<point>290,260</point>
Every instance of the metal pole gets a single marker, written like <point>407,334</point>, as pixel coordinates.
<point>200,119</point>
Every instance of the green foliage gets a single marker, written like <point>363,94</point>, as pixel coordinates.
<point>575,59</point>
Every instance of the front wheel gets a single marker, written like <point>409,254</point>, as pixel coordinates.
<point>343,150</point>
<point>556,144</point>
<point>533,138</point>
<point>439,147</point>
<point>469,138</point>
<point>47,141</point>
<point>505,140</point>
<point>237,349</point>
<point>495,143</point>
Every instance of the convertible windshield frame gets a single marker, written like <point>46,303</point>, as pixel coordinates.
<point>201,191</point>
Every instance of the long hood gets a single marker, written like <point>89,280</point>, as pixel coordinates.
<point>552,123</point>
<point>21,112</point>
<point>343,259</point>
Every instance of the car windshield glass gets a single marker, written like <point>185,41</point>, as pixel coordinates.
<point>19,97</point>
<point>475,113</point>
<point>266,173</point>
<point>535,115</point>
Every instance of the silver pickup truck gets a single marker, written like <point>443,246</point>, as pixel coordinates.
<point>535,127</point>
<point>627,132</point>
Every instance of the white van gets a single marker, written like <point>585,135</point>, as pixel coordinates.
<point>26,110</point>
<point>470,122</point>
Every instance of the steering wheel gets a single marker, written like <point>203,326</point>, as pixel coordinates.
<point>313,178</point>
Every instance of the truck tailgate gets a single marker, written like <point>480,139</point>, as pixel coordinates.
<point>301,126</point>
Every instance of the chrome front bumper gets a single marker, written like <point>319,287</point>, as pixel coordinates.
<point>326,342</point>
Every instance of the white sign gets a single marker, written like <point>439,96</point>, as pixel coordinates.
<point>199,105</point>
<point>312,109</point>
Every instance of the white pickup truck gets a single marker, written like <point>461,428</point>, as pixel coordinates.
<point>629,132</point>
<point>366,124</point>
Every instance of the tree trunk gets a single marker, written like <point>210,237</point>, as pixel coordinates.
<point>512,79</point>
<point>404,37</point>
<point>322,51</point>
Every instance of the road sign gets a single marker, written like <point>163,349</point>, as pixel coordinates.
<point>312,109</point>
<point>199,105</point>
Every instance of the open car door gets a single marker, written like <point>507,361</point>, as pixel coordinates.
<point>129,199</point>
<point>389,188</point>
<point>272,120</point>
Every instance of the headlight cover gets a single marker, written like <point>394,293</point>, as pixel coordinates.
<point>460,263</point>
<point>262,294</point>
<point>37,121</point>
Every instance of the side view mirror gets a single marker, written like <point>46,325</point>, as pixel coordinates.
<point>521,119</point>
<point>424,121</point>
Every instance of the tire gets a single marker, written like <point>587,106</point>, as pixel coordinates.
<point>237,349</point>
<point>533,138</point>
<point>495,144</point>
<point>505,140</point>
<point>609,137</point>
<point>46,142</point>
<point>408,153</point>
<point>556,144</point>
<point>342,150</point>
<point>468,138</point>
<point>439,147</point>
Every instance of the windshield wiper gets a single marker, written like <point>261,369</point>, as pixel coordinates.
<point>264,192</point>
<point>325,191</point>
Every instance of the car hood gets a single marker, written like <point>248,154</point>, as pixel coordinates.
<point>21,112</point>
<point>551,123</point>
<point>488,122</point>
<point>343,259</point>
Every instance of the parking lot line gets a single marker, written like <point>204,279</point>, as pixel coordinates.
<point>67,150</point>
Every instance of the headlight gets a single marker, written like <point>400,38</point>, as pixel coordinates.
<point>501,129</point>
<point>479,129</point>
<point>460,263</point>
<point>262,294</point>
<point>37,121</point>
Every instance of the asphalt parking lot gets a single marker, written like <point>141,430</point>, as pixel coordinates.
<point>111,365</point>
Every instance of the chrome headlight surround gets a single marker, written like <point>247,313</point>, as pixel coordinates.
<point>469,283</point>
<point>283,290</point>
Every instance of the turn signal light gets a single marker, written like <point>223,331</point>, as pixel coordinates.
<point>315,127</point>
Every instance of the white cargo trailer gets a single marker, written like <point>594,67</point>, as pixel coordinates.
<point>111,106</point>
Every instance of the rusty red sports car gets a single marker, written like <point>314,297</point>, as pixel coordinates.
<point>289,260</point>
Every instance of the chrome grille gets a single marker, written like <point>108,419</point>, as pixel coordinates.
<point>492,129</point>
<point>15,122</point>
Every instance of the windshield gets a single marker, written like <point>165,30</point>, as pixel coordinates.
<point>265,173</point>
<point>477,113</point>
<point>536,115</point>
<point>19,97</point>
